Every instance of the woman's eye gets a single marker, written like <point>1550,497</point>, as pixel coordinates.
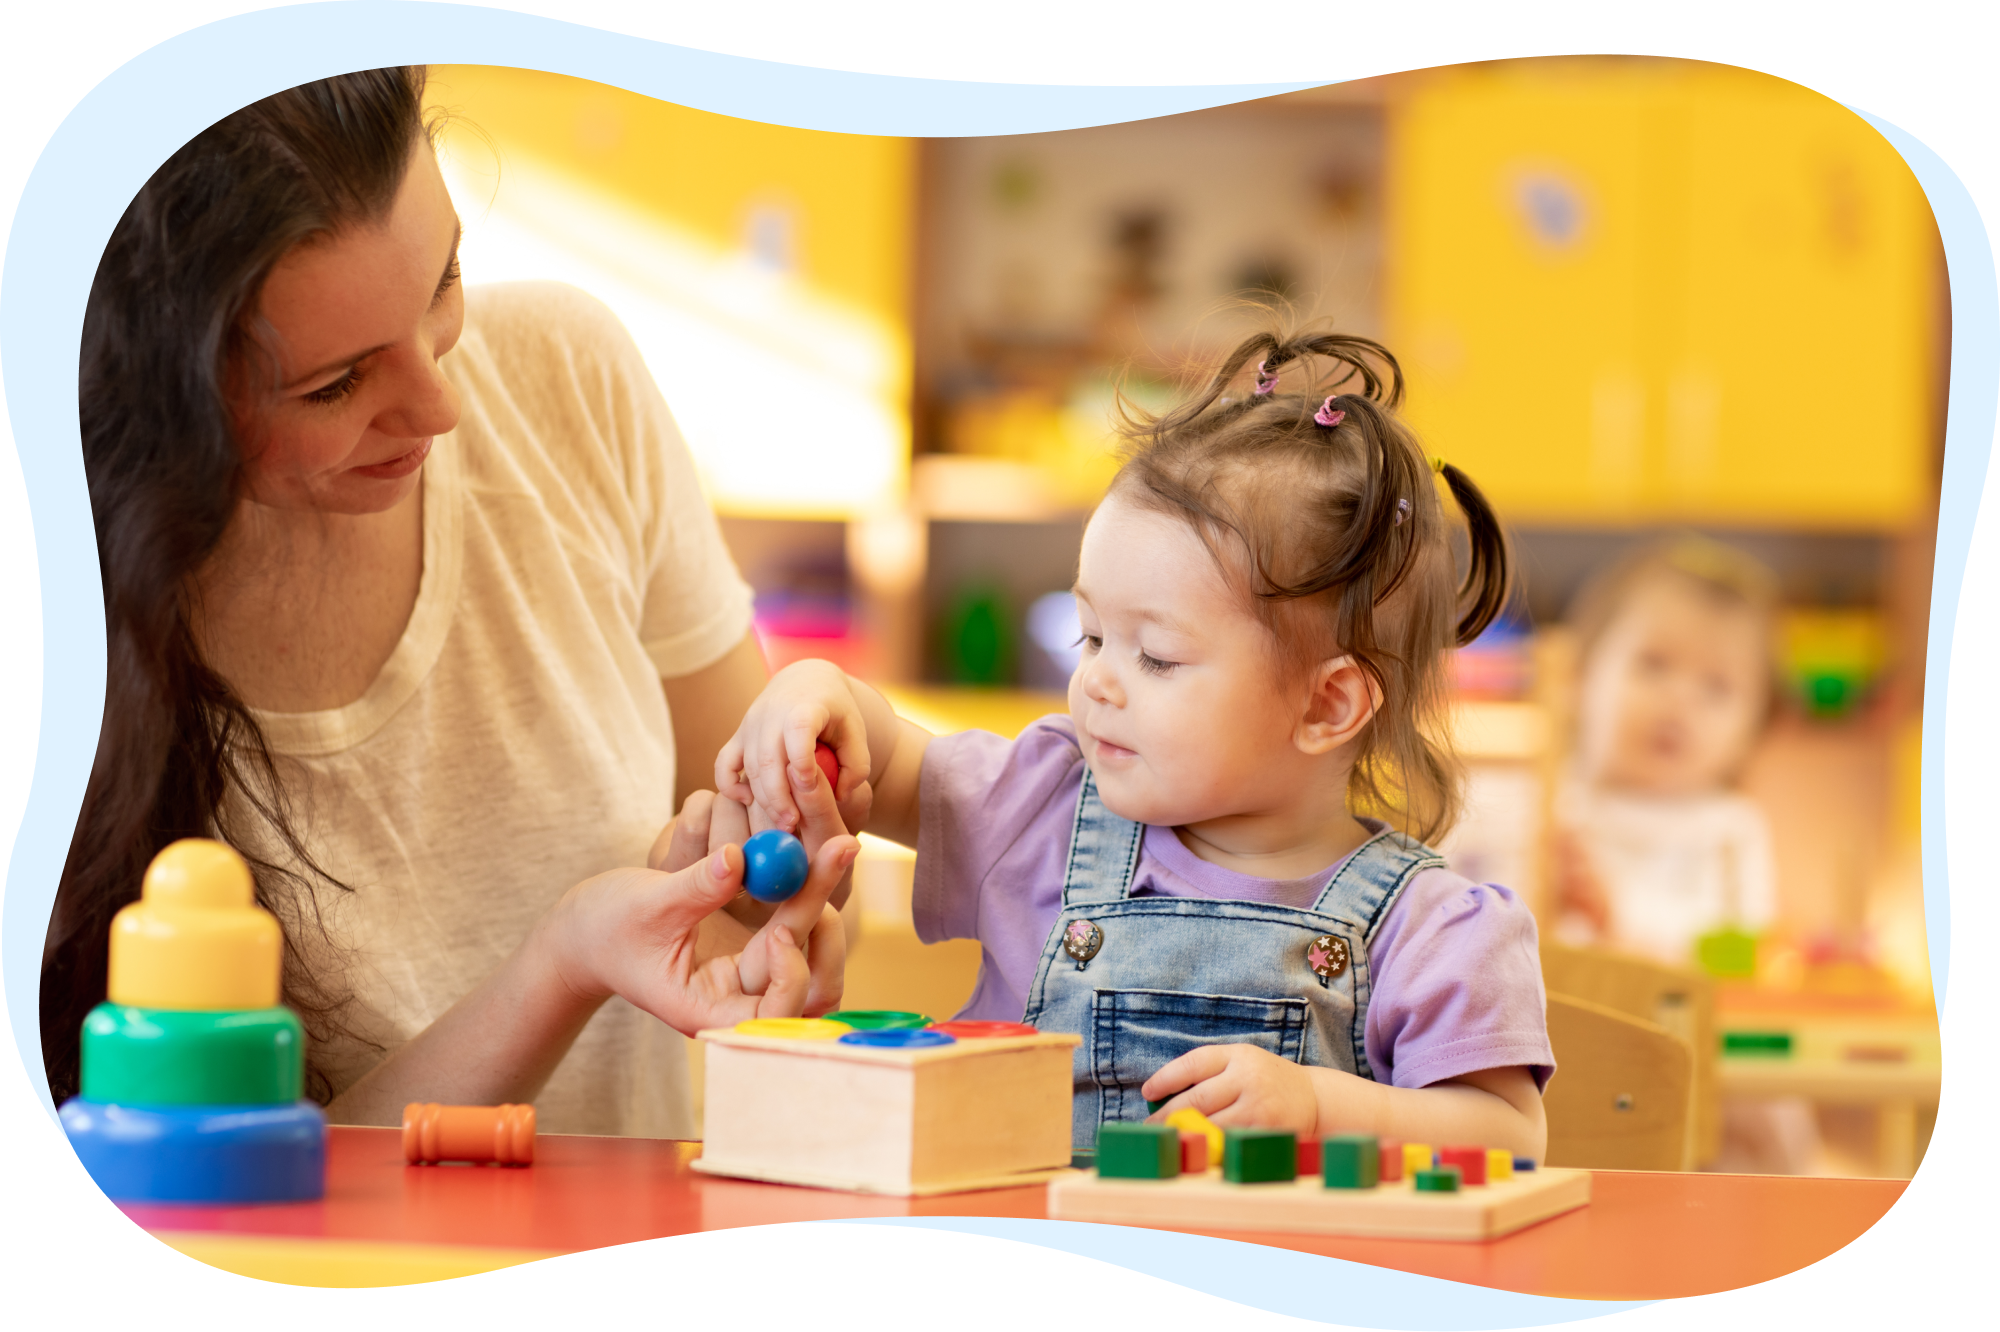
<point>1152,665</point>
<point>337,390</point>
<point>450,281</point>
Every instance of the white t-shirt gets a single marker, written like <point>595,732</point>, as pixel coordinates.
<point>1674,868</point>
<point>518,740</point>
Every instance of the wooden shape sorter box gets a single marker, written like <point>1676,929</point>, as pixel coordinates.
<point>976,1114</point>
<point>1387,1211</point>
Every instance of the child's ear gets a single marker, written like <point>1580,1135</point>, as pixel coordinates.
<point>1342,700</point>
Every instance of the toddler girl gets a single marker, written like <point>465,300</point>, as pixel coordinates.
<point>1656,849</point>
<point>1200,868</point>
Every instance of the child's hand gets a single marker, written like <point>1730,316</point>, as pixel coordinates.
<point>1579,890</point>
<point>769,762</point>
<point>1237,1084</point>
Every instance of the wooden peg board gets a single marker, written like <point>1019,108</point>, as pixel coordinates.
<point>1387,1211</point>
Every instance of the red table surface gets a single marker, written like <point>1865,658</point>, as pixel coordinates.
<point>1643,1236</point>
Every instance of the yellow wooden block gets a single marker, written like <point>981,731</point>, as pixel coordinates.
<point>322,1262</point>
<point>1499,1164</point>
<point>1416,1156</point>
<point>196,939</point>
<point>1194,1121</point>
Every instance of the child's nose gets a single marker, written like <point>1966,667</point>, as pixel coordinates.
<point>1100,683</point>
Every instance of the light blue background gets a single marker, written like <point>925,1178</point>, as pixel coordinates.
<point>131,122</point>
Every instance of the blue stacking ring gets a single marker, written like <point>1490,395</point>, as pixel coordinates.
<point>899,1038</point>
<point>200,1153</point>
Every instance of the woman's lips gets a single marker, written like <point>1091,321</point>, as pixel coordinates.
<point>398,467</point>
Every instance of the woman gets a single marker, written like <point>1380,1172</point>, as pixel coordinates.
<point>412,597</point>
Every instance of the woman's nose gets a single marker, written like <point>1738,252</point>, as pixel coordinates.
<point>426,405</point>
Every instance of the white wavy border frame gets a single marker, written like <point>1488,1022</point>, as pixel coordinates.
<point>113,140</point>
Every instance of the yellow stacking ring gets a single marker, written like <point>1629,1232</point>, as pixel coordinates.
<point>794,1029</point>
<point>196,938</point>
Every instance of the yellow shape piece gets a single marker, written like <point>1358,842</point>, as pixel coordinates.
<point>794,1029</point>
<point>1499,1165</point>
<point>1417,1156</point>
<point>196,938</point>
<point>1191,1120</point>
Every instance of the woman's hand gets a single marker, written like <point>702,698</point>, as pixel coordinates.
<point>640,934</point>
<point>1237,1084</point>
<point>769,761</point>
<point>708,823</point>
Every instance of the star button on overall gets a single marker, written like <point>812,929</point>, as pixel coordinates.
<point>1327,956</point>
<point>1082,940</point>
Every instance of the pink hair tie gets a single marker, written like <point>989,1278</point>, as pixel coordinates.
<point>1267,380</point>
<point>1328,415</point>
<point>1402,512</point>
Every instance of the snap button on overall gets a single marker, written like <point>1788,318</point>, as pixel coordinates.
<point>1082,940</point>
<point>1327,956</point>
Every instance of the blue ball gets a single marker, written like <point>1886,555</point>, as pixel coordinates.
<point>774,866</point>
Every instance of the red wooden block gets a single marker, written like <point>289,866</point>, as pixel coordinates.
<point>1308,1157</point>
<point>1392,1161</point>
<point>1471,1162</point>
<point>1194,1153</point>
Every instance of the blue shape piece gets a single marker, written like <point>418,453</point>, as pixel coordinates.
<point>1523,1163</point>
<point>899,1038</point>
<point>200,1153</point>
<point>774,866</point>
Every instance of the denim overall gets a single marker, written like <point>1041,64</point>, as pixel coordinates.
<point>1146,979</point>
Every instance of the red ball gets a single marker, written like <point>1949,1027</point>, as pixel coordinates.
<point>828,764</point>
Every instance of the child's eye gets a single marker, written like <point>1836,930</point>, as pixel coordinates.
<point>1089,642</point>
<point>1152,665</point>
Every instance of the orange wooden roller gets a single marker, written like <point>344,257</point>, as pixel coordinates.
<point>499,1134</point>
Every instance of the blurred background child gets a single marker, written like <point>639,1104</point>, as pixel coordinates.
<point>1656,848</point>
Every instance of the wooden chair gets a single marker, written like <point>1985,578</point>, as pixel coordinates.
<point>1620,1096</point>
<point>1681,1001</point>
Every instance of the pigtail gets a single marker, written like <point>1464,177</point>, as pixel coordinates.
<point>1489,575</point>
<point>1144,428</point>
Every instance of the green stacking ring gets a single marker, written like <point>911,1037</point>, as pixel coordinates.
<point>158,1056</point>
<point>880,1019</point>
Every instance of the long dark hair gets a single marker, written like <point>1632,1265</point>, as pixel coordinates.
<point>168,315</point>
<point>1345,546</point>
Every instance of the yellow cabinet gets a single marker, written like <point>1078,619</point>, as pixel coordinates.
<point>1657,291</point>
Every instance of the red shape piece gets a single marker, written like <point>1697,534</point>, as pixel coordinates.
<point>1194,1153</point>
<point>976,1029</point>
<point>1308,1157</point>
<point>1392,1161</point>
<point>1471,1162</point>
<point>828,764</point>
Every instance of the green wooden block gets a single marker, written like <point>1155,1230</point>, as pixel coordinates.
<point>1350,1161</point>
<point>1138,1151</point>
<point>158,1056</point>
<point>1259,1156</point>
<point>1442,1180</point>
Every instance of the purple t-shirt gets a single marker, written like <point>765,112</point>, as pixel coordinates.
<point>1457,973</point>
